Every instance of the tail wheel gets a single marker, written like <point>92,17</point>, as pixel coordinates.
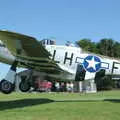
<point>24,86</point>
<point>6,87</point>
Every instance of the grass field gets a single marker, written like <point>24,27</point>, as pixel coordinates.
<point>60,106</point>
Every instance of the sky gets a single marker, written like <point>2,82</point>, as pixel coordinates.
<point>62,20</point>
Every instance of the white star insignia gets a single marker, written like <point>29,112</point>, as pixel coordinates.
<point>92,63</point>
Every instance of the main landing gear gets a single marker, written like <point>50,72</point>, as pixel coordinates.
<point>7,85</point>
<point>25,84</point>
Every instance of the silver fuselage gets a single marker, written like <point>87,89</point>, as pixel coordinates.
<point>68,58</point>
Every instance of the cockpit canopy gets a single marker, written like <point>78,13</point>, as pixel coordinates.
<point>48,42</point>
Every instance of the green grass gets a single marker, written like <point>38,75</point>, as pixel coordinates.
<point>60,106</point>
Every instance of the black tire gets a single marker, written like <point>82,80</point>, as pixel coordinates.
<point>24,86</point>
<point>6,87</point>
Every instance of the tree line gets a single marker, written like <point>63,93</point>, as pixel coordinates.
<point>107,47</point>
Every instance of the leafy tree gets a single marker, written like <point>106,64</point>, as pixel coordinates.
<point>116,50</point>
<point>103,82</point>
<point>87,45</point>
<point>106,46</point>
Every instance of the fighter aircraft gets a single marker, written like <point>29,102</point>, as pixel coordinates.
<point>61,61</point>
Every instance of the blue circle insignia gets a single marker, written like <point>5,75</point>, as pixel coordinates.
<point>92,63</point>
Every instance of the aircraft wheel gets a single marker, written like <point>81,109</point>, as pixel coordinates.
<point>24,87</point>
<point>6,87</point>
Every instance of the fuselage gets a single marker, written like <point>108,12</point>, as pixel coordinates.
<point>68,58</point>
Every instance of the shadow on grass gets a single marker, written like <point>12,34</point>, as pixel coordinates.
<point>5,105</point>
<point>113,100</point>
<point>91,100</point>
<point>12,104</point>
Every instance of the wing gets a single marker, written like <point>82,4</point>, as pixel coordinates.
<point>23,45</point>
<point>28,51</point>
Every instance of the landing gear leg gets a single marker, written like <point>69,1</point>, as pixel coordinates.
<point>7,85</point>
